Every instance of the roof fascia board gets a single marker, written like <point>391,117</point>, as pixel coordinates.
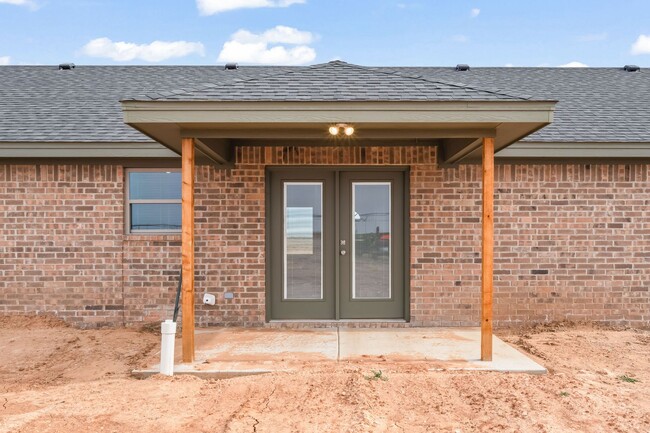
<point>84,150</point>
<point>528,149</point>
<point>361,132</point>
<point>451,115</point>
<point>308,112</point>
<point>129,105</point>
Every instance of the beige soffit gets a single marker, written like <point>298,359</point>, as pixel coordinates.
<point>507,121</point>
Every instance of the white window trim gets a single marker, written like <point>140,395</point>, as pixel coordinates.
<point>128,202</point>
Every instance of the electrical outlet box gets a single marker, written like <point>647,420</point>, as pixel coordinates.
<point>209,299</point>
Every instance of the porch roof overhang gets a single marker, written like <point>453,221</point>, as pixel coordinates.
<point>456,127</point>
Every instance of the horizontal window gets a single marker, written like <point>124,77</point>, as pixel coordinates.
<point>154,185</point>
<point>155,216</point>
<point>153,200</point>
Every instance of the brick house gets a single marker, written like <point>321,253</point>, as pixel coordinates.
<point>296,221</point>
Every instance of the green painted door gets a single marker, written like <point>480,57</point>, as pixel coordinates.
<point>371,245</point>
<point>337,244</point>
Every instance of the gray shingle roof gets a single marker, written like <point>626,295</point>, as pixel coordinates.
<point>595,104</point>
<point>336,81</point>
<point>42,104</point>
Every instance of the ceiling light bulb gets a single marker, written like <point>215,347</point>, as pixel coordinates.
<point>349,130</point>
<point>334,130</point>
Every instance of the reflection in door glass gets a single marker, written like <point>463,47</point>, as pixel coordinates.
<point>371,248</point>
<point>303,247</point>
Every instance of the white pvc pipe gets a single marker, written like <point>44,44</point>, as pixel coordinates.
<point>168,331</point>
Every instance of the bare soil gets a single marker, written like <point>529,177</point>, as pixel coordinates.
<point>54,378</point>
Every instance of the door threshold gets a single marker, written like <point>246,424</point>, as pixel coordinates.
<point>334,324</point>
<point>337,321</point>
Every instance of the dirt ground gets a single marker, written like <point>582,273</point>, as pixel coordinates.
<point>55,378</point>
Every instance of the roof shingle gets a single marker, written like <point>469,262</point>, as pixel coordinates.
<point>336,81</point>
<point>42,104</point>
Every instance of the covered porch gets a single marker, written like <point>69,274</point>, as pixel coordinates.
<point>206,126</point>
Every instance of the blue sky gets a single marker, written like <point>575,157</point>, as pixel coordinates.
<point>379,32</point>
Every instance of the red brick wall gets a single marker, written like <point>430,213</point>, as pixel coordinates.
<point>150,273</point>
<point>572,241</point>
<point>61,244</point>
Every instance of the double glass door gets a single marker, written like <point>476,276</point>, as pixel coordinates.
<point>336,245</point>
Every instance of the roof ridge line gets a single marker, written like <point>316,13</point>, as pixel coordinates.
<point>206,86</point>
<point>421,78</point>
<point>458,85</point>
<point>338,63</point>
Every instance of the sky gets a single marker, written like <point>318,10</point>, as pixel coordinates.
<point>299,32</point>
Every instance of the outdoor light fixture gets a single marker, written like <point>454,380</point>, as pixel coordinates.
<point>336,129</point>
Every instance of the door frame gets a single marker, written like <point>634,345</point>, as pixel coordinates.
<point>337,171</point>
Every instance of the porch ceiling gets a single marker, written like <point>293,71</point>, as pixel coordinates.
<point>456,127</point>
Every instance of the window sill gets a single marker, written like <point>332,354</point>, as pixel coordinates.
<point>174,236</point>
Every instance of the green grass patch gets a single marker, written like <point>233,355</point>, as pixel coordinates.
<point>376,375</point>
<point>628,379</point>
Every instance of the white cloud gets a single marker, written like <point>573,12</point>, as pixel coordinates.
<point>474,12</point>
<point>509,65</point>
<point>574,65</point>
<point>211,7</point>
<point>5,60</point>
<point>269,47</point>
<point>156,51</point>
<point>642,45</point>
<point>276,35</point>
<point>27,3</point>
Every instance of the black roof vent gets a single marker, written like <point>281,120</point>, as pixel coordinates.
<point>231,66</point>
<point>462,67</point>
<point>66,66</point>
<point>631,68</point>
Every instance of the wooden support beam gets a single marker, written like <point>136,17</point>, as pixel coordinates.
<point>487,272</point>
<point>187,163</point>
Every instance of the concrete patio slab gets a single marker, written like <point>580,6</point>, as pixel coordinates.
<point>443,348</point>
<point>229,352</point>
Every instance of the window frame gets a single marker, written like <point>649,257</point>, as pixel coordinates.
<point>128,201</point>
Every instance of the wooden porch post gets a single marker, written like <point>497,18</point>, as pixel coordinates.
<point>488,249</point>
<point>187,161</point>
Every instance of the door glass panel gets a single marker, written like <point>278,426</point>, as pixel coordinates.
<point>371,247</point>
<point>303,243</point>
